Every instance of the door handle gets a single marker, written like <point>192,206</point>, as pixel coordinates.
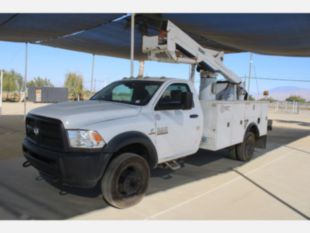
<point>193,115</point>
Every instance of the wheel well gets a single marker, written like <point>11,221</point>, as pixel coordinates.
<point>253,128</point>
<point>138,149</point>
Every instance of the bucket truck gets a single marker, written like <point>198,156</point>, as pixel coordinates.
<point>134,125</point>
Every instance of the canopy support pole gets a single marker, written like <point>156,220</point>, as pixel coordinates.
<point>25,79</point>
<point>92,75</point>
<point>250,73</point>
<point>132,44</point>
<point>141,69</point>
<point>192,73</point>
<point>1,90</point>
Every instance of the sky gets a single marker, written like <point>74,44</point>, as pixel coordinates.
<point>54,63</point>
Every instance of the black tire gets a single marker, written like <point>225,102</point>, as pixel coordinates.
<point>245,150</point>
<point>125,181</point>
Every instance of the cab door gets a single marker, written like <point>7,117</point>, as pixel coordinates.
<point>178,130</point>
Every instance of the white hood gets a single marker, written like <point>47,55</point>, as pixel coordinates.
<point>84,113</point>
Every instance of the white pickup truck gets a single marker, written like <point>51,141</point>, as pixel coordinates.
<point>132,126</point>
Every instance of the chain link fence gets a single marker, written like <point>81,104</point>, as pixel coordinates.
<point>288,107</point>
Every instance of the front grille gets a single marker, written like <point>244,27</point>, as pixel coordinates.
<point>45,132</point>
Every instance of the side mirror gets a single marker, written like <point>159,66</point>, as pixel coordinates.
<point>187,100</point>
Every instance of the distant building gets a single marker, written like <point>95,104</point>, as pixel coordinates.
<point>47,94</point>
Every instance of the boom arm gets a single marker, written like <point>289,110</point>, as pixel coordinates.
<point>174,45</point>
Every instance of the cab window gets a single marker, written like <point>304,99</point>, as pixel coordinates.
<point>122,93</point>
<point>175,97</point>
<point>135,92</point>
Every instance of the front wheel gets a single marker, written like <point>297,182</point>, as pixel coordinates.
<point>245,150</point>
<point>125,181</point>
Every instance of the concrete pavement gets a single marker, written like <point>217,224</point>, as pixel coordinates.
<point>274,185</point>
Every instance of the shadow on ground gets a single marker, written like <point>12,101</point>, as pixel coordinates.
<point>25,195</point>
<point>300,123</point>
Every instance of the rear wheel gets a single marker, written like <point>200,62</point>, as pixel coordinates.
<point>125,180</point>
<point>245,150</point>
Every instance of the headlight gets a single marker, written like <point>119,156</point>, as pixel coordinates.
<point>85,139</point>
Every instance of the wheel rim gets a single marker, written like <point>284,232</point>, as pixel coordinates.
<point>130,182</point>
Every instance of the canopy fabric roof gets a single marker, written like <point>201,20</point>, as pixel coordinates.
<point>111,40</point>
<point>40,27</point>
<point>278,34</point>
<point>109,34</point>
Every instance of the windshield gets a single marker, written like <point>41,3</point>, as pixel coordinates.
<point>136,92</point>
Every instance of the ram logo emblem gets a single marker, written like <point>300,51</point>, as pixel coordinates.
<point>36,131</point>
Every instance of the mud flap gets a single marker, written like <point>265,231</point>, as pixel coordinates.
<point>261,142</point>
<point>269,125</point>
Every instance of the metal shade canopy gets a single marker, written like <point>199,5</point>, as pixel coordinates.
<point>109,34</point>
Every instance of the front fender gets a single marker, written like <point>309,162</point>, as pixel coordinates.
<point>125,139</point>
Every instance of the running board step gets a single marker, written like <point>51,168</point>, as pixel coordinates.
<point>173,165</point>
